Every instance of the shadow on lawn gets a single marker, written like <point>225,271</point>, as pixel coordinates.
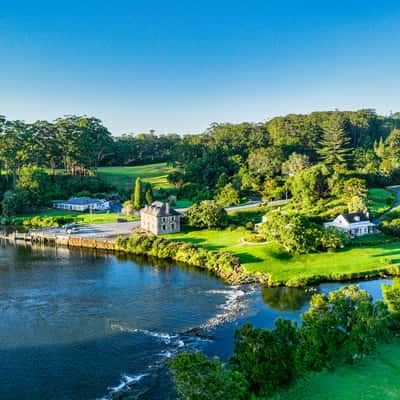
<point>246,258</point>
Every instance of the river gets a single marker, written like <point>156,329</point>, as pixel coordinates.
<point>80,325</point>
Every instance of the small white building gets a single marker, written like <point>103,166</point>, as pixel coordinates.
<point>82,204</point>
<point>355,224</point>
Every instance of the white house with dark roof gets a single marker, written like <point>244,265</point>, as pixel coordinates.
<point>355,224</point>
<point>82,204</point>
<point>159,218</point>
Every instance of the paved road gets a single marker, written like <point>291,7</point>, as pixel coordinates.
<point>252,204</point>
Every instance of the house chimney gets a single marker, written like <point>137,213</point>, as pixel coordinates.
<point>367,214</point>
<point>167,208</point>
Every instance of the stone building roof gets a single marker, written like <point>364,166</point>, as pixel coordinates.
<point>159,209</point>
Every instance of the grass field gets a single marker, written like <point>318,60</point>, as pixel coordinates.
<point>380,200</point>
<point>270,259</point>
<point>81,218</point>
<point>374,378</point>
<point>124,177</point>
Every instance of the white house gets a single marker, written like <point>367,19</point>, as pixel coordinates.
<point>82,204</point>
<point>355,224</point>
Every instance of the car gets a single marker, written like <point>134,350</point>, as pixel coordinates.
<point>71,228</point>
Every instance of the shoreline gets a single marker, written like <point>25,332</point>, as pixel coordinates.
<point>237,275</point>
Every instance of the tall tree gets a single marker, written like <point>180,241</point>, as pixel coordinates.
<point>148,196</point>
<point>137,195</point>
<point>334,143</point>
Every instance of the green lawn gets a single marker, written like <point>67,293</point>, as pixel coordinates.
<point>81,218</point>
<point>124,177</point>
<point>380,200</point>
<point>270,259</point>
<point>374,378</point>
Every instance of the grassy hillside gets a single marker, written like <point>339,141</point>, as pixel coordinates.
<point>124,177</point>
<point>380,200</point>
<point>374,378</point>
<point>270,259</point>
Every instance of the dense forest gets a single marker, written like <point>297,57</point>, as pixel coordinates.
<point>308,157</point>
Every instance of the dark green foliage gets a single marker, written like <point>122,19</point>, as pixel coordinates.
<point>334,143</point>
<point>223,264</point>
<point>266,357</point>
<point>391,295</point>
<point>197,377</point>
<point>340,327</point>
<point>207,214</point>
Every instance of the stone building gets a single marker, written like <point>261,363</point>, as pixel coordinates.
<point>159,218</point>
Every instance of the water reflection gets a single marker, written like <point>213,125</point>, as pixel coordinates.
<point>286,299</point>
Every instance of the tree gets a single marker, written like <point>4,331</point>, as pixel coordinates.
<point>334,143</point>
<point>197,377</point>
<point>310,185</point>
<point>340,326</point>
<point>354,187</point>
<point>137,194</point>
<point>391,295</point>
<point>295,164</point>
<point>266,357</point>
<point>266,161</point>
<point>293,232</point>
<point>207,214</point>
<point>149,197</point>
<point>228,196</point>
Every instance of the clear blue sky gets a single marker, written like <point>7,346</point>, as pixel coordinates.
<point>177,66</point>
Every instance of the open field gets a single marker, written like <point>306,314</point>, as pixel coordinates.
<point>124,177</point>
<point>380,200</point>
<point>81,218</point>
<point>374,378</point>
<point>271,259</point>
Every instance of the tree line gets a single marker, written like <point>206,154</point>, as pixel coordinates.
<point>309,157</point>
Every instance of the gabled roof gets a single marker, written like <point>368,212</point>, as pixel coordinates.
<point>353,218</point>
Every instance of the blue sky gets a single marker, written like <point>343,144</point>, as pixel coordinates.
<point>177,66</point>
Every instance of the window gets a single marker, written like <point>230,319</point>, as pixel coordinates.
<point>172,226</point>
<point>163,227</point>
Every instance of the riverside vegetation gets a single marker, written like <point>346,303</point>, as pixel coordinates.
<point>340,328</point>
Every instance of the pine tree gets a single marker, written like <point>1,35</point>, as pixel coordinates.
<point>149,194</point>
<point>137,195</point>
<point>334,143</point>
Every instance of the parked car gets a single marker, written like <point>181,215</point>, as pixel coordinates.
<point>71,228</point>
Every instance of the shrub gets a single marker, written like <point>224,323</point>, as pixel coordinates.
<point>223,264</point>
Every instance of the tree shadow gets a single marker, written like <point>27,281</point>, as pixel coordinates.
<point>248,258</point>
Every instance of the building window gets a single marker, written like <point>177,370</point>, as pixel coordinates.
<point>172,226</point>
<point>163,227</point>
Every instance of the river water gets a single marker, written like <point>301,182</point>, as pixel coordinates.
<point>81,325</point>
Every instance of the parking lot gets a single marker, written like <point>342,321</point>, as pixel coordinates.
<point>98,231</point>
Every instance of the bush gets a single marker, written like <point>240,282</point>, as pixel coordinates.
<point>223,264</point>
<point>254,238</point>
<point>45,222</point>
